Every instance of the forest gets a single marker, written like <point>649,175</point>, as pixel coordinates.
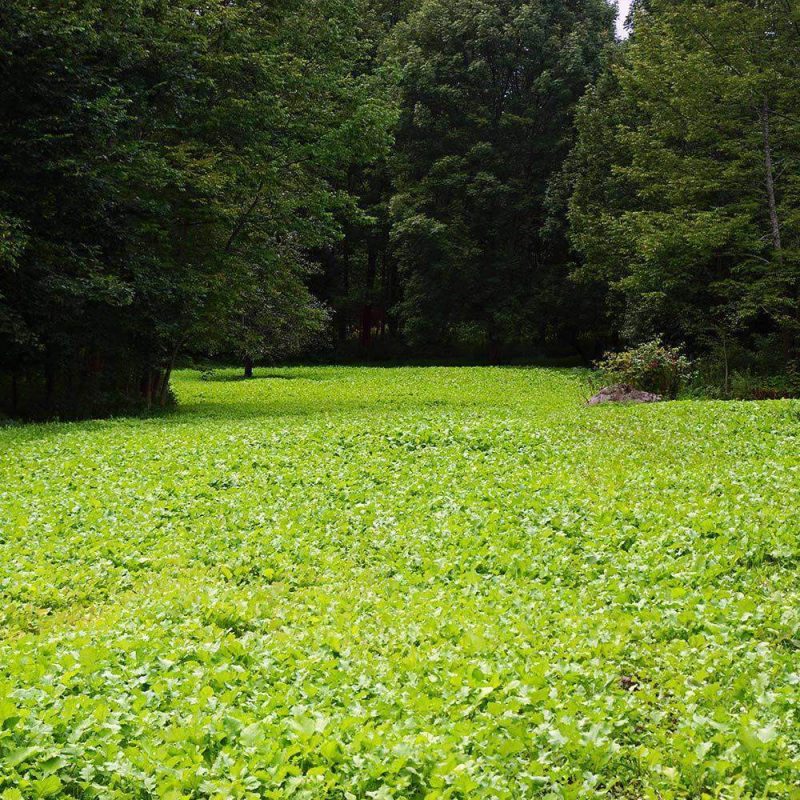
<point>488,181</point>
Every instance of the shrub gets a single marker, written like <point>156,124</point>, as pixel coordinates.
<point>651,367</point>
<point>746,385</point>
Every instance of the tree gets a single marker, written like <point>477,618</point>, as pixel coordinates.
<point>156,157</point>
<point>686,189</point>
<point>357,275</point>
<point>273,314</point>
<point>488,93</point>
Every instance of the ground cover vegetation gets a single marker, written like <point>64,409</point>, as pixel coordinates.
<point>497,179</point>
<point>402,583</point>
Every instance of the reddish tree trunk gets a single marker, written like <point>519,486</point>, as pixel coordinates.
<point>366,326</point>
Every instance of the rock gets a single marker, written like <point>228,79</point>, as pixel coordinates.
<point>622,393</point>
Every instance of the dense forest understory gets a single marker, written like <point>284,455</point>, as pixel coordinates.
<point>494,180</point>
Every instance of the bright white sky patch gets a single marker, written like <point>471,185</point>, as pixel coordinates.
<point>624,6</point>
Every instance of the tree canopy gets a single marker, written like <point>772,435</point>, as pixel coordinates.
<point>491,177</point>
<point>165,167</point>
<point>686,176</point>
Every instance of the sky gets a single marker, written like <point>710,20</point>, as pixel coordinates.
<point>624,5</point>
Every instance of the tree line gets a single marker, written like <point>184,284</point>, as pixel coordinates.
<point>389,178</point>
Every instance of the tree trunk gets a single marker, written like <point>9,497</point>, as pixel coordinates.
<point>494,346</point>
<point>372,268</point>
<point>346,265</point>
<point>726,367</point>
<point>157,380</point>
<point>148,388</point>
<point>344,314</point>
<point>14,393</point>
<point>770,183</point>
<point>248,367</point>
<point>161,385</point>
<point>366,326</point>
<point>366,309</point>
<point>163,391</point>
<point>391,280</point>
<point>49,384</point>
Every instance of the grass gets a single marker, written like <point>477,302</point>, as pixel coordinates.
<point>402,583</point>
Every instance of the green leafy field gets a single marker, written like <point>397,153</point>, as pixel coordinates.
<point>402,583</point>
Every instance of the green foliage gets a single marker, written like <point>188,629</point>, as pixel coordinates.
<point>487,177</point>
<point>164,167</point>
<point>685,176</point>
<point>487,94</point>
<point>652,367</point>
<point>407,583</point>
<point>744,385</point>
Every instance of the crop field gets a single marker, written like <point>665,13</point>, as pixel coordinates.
<point>415,583</point>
